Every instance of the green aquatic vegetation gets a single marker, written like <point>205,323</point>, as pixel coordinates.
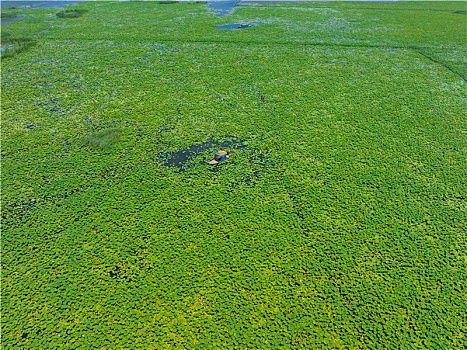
<point>102,140</point>
<point>9,12</point>
<point>11,45</point>
<point>71,13</point>
<point>337,222</point>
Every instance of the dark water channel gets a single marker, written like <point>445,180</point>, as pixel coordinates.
<point>9,20</point>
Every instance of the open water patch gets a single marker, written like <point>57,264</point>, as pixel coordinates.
<point>235,26</point>
<point>181,159</point>
<point>222,8</point>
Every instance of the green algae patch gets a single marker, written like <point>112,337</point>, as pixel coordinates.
<point>103,140</point>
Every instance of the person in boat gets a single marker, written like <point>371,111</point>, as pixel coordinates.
<point>219,157</point>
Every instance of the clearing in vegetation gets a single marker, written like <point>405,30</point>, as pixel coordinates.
<point>339,221</point>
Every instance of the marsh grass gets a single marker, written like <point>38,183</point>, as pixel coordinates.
<point>12,46</point>
<point>71,13</point>
<point>9,12</point>
<point>103,140</point>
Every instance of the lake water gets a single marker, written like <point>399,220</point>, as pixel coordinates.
<point>37,4</point>
<point>222,8</point>
<point>32,4</point>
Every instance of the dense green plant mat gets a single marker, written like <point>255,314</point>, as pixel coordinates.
<point>70,13</point>
<point>339,221</point>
